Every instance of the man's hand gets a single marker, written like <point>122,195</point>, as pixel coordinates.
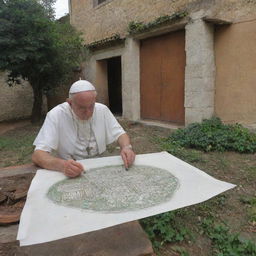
<point>44,159</point>
<point>127,155</point>
<point>72,168</point>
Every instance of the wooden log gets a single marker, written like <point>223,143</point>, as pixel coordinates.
<point>8,218</point>
<point>2,197</point>
<point>19,193</point>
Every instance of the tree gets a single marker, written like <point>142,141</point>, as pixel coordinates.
<point>47,4</point>
<point>36,48</point>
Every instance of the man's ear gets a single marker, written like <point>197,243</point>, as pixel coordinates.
<point>69,101</point>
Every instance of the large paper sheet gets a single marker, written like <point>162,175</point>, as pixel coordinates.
<point>44,220</point>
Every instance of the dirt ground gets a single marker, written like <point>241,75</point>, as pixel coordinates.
<point>231,167</point>
<point>8,126</point>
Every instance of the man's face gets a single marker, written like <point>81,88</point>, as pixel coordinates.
<point>83,103</point>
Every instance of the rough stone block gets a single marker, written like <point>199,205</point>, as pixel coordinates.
<point>198,15</point>
<point>18,169</point>
<point>201,84</point>
<point>198,114</point>
<point>200,71</point>
<point>200,56</point>
<point>131,80</point>
<point>126,239</point>
<point>197,99</point>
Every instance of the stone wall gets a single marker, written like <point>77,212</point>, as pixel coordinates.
<point>200,69</point>
<point>113,16</point>
<point>235,54</point>
<point>15,102</point>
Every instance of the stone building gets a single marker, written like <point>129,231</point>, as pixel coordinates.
<point>175,61</point>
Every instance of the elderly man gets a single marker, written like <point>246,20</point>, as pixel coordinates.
<point>77,129</point>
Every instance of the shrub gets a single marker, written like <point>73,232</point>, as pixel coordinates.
<point>225,242</point>
<point>213,135</point>
<point>163,228</point>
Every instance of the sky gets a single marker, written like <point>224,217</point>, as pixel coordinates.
<point>61,8</point>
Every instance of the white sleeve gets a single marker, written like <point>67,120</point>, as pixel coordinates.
<point>44,148</point>
<point>113,128</point>
<point>47,138</point>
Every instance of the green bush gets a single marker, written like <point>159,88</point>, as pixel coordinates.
<point>163,228</point>
<point>227,243</point>
<point>213,135</point>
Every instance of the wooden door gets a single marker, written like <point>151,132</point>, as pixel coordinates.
<point>162,64</point>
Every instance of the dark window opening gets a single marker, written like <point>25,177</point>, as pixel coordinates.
<point>101,1</point>
<point>98,2</point>
<point>115,85</point>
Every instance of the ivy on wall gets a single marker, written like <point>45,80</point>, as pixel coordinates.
<point>139,27</point>
<point>136,28</point>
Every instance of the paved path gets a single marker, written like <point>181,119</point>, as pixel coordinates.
<point>6,126</point>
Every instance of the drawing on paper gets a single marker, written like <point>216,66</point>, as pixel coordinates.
<point>112,189</point>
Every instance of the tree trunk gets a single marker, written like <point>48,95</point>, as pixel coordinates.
<point>37,105</point>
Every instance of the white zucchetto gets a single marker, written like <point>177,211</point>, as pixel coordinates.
<point>81,86</point>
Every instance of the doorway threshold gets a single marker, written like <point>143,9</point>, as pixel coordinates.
<point>162,124</point>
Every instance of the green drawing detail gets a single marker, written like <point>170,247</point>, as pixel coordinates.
<point>112,189</point>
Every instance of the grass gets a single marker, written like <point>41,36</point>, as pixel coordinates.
<point>251,170</point>
<point>16,146</point>
<point>250,203</point>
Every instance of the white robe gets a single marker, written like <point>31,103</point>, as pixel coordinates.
<point>59,131</point>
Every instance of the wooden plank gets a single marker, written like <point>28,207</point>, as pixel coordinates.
<point>3,197</point>
<point>173,73</point>
<point>150,66</point>
<point>8,218</point>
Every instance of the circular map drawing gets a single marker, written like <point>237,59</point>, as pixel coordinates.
<point>112,189</point>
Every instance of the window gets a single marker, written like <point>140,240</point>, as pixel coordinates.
<point>98,2</point>
<point>101,1</point>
